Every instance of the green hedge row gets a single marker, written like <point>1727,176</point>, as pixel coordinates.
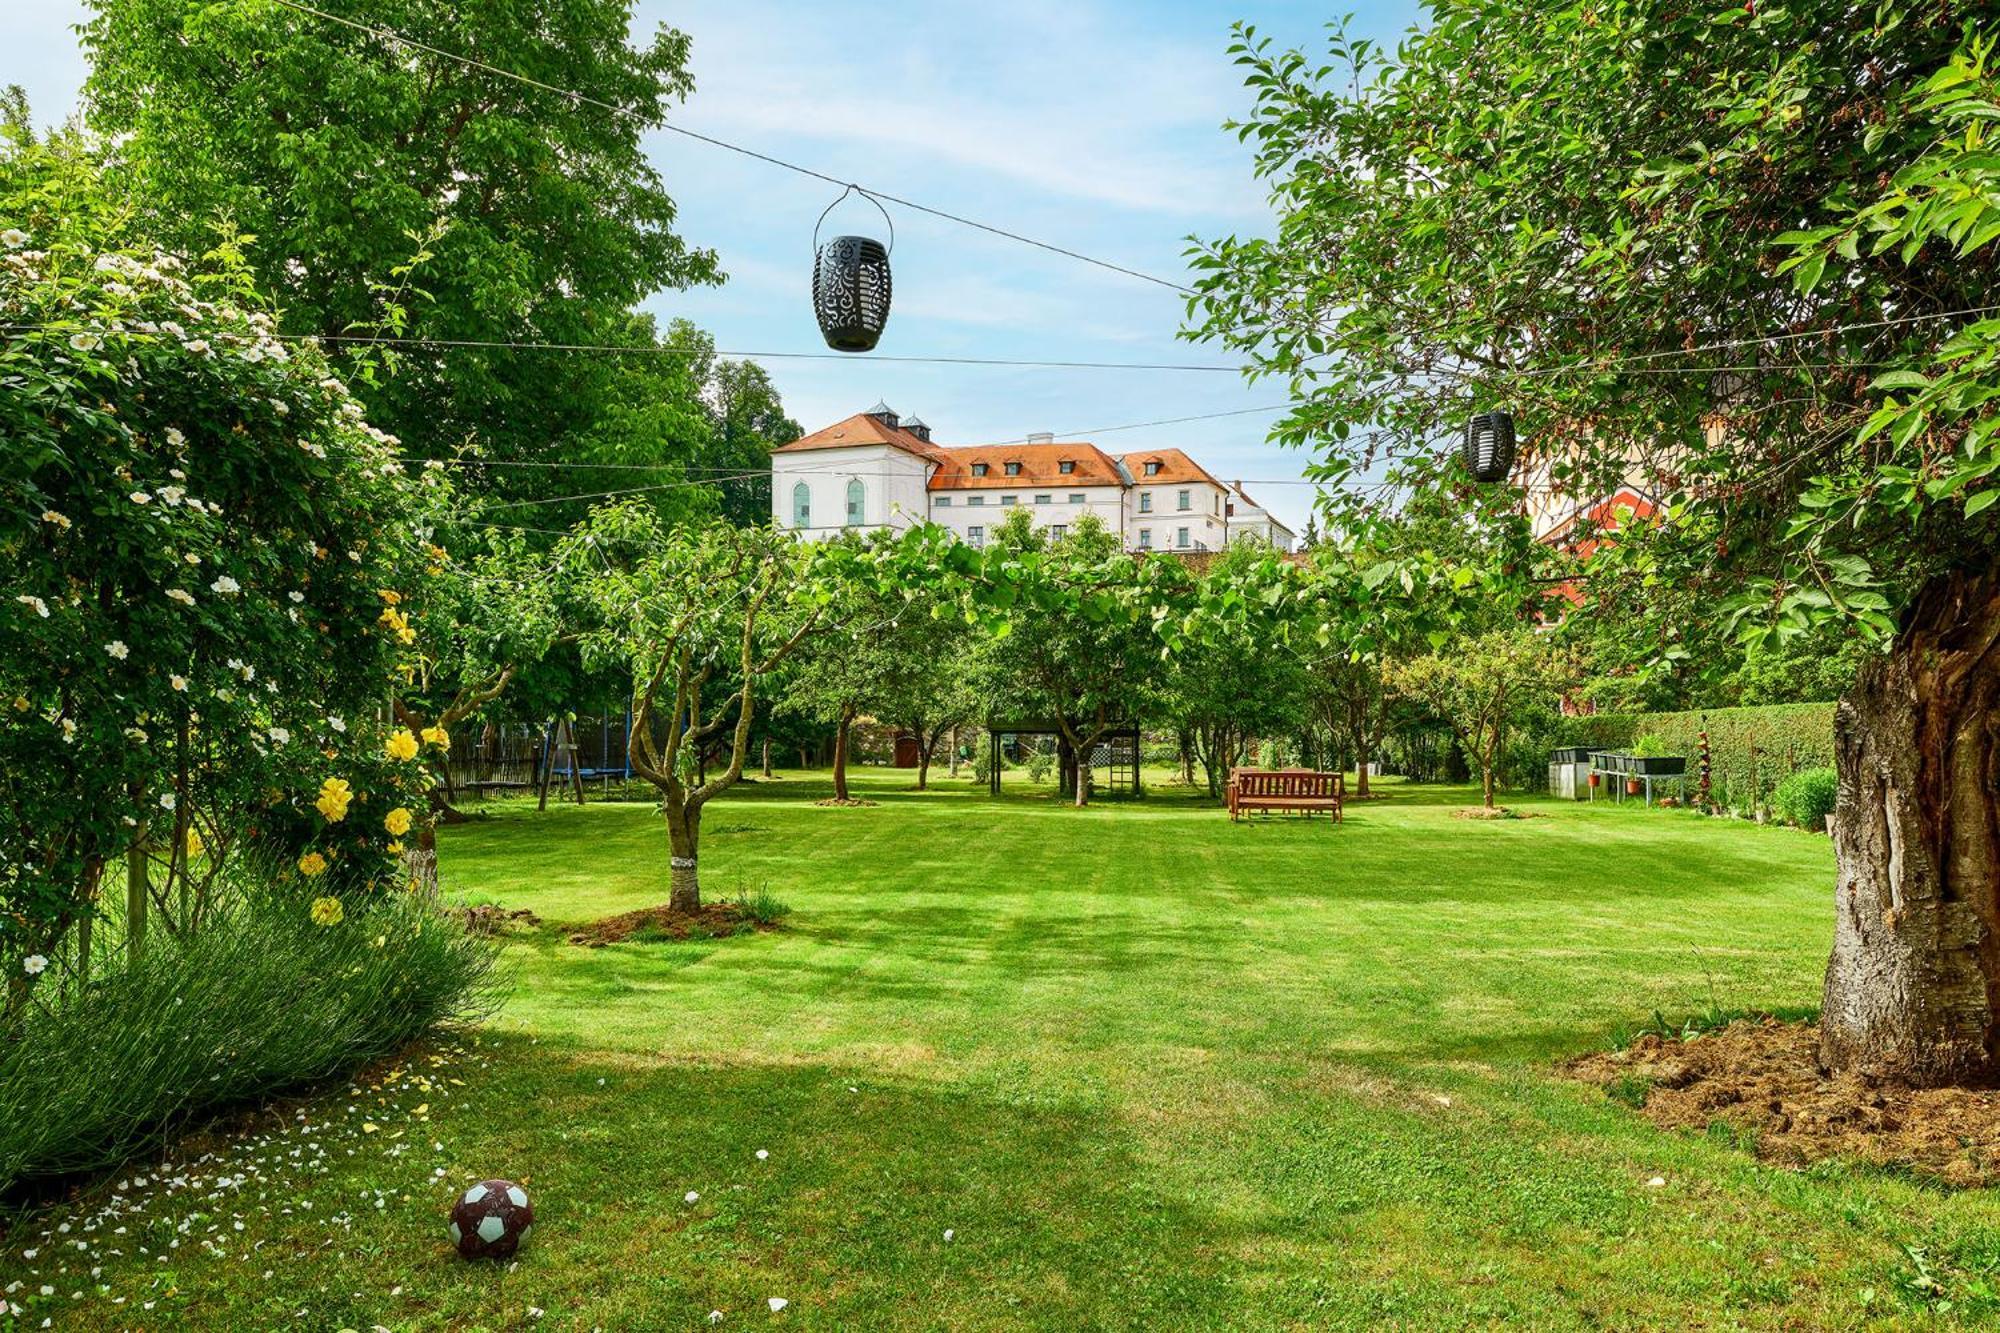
<point>1751,750</point>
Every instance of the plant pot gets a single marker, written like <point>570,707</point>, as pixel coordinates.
<point>1596,779</point>
<point>1633,786</point>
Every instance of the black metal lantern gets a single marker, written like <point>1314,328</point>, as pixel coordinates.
<point>851,284</point>
<point>1489,446</point>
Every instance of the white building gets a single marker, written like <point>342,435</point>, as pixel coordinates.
<point>876,469</point>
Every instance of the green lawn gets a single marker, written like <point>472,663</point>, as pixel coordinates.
<point>1148,1069</point>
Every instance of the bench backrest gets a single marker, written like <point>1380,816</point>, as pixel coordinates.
<point>1288,782</point>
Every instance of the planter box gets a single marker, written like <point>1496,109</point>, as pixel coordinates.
<point>1611,761</point>
<point>1658,766</point>
<point>1573,754</point>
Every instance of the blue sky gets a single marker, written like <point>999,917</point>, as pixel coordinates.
<point>1093,124</point>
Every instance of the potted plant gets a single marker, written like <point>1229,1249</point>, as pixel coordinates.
<point>1650,758</point>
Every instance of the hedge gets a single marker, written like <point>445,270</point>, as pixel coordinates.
<point>1751,750</point>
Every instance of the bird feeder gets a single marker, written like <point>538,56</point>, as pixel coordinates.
<point>1489,446</point>
<point>851,284</point>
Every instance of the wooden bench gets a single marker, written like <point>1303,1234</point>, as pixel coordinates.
<point>1285,789</point>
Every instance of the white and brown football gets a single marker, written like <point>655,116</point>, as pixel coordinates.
<point>491,1220</point>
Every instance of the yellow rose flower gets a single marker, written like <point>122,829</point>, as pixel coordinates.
<point>398,821</point>
<point>390,597</point>
<point>327,912</point>
<point>312,864</point>
<point>395,847</point>
<point>437,736</point>
<point>401,745</point>
<point>334,796</point>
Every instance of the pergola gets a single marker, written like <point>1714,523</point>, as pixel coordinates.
<point>1118,749</point>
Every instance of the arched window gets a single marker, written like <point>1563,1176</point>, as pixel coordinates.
<point>802,506</point>
<point>857,498</point>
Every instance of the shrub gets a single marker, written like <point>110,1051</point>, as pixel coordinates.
<point>1806,797</point>
<point>255,1003</point>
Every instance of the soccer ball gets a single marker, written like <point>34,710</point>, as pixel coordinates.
<point>491,1220</point>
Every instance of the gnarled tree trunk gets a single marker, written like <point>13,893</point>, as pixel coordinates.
<point>1913,985</point>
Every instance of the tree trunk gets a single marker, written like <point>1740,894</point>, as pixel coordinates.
<point>840,754</point>
<point>767,756</point>
<point>1913,983</point>
<point>924,764</point>
<point>684,838</point>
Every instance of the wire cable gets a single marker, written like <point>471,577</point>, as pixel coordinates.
<point>881,196</point>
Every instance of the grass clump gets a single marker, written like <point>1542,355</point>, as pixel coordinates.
<point>762,908</point>
<point>254,1003</point>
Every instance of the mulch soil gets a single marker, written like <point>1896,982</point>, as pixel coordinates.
<point>1762,1077</point>
<point>712,921</point>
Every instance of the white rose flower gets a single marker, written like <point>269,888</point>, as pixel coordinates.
<point>179,683</point>
<point>296,595</point>
<point>196,346</point>
<point>225,585</point>
<point>34,964</point>
<point>174,438</point>
<point>137,735</point>
<point>13,238</point>
<point>85,342</point>
<point>279,736</point>
<point>192,558</point>
<point>140,498</point>
<point>118,649</point>
<point>41,608</point>
<point>59,520</point>
<point>167,800</point>
<point>181,595</point>
<point>173,495</point>
<point>69,731</point>
<point>337,723</point>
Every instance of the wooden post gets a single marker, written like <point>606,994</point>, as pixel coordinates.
<point>548,762</point>
<point>575,761</point>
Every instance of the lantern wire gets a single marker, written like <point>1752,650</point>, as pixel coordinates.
<point>881,196</point>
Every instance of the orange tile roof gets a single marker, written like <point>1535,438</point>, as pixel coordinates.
<point>859,430</point>
<point>1041,465</point>
<point>1175,466</point>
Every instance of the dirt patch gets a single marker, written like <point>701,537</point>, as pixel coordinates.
<point>851,801</point>
<point>489,919</point>
<point>713,921</point>
<point>1497,812</point>
<point>1761,1078</point>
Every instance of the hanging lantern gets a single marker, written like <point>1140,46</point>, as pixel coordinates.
<point>1489,446</point>
<point>851,284</point>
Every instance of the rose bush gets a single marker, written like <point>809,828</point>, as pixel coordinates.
<point>207,554</point>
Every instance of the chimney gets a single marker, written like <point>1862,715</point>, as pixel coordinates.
<point>1042,437</point>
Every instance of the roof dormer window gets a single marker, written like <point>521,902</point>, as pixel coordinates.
<point>1013,469</point>
<point>979,469</point>
<point>1067,466</point>
<point>1153,468</point>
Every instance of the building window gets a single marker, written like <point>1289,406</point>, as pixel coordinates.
<point>1145,502</point>
<point>976,535</point>
<point>1153,469</point>
<point>1058,531</point>
<point>1067,466</point>
<point>979,469</point>
<point>1013,469</point>
<point>1146,537</point>
<point>1181,538</point>
<point>975,499</point>
<point>1076,497</point>
<point>857,501</point>
<point>802,506</point>
<point>1009,501</point>
<point>942,502</point>
<point>1043,499</point>
<point>1184,499</point>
